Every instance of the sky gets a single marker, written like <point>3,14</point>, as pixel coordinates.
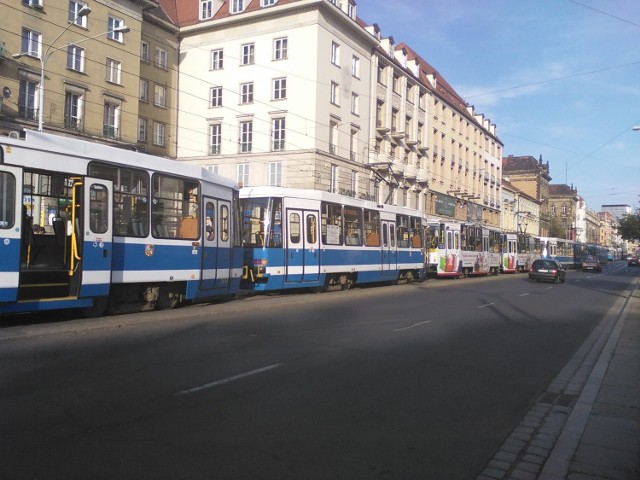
<point>559,79</point>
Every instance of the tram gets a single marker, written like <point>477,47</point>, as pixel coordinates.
<point>93,227</point>
<point>298,238</point>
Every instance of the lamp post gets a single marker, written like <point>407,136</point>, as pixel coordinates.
<point>83,12</point>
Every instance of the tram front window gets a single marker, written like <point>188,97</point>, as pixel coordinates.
<point>261,222</point>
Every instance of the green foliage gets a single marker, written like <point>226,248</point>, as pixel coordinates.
<point>629,226</point>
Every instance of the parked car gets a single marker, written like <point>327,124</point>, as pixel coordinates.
<point>591,263</point>
<point>547,270</point>
<point>633,262</point>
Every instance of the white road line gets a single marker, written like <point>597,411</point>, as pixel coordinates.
<point>486,305</point>
<point>524,294</point>
<point>412,326</point>
<point>228,379</point>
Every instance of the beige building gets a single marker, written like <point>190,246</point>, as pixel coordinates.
<point>532,177</point>
<point>72,68</point>
<point>563,206</point>
<point>302,93</point>
<point>520,212</point>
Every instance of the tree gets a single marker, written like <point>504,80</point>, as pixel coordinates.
<point>629,226</point>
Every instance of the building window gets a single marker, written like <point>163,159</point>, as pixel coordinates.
<point>114,71</point>
<point>215,138</point>
<point>275,174</point>
<point>351,10</point>
<point>278,133</point>
<point>72,110</point>
<point>216,59</point>
<point>335,54</point>
<point>74,9</point>
<point>396,83</point>
<point>237,6</point>
<point>113,24</point>
<point>248,54</point>
<point>382,78</point>
<point>158,134</point>
<point>144,90</point>
<point>246,136</point>
<point>333,179</point>
<point>355,66</point>
<point>353,145</point>
<point>355,103</point>
<point>27,99</point>
<point>279,88</point>
<point>333,137</point>
<point>215,94</point>
<point>142,130</point>
<point>75,58</point>
<point>31,43</point>
<point>145,52</point>
<point>111,120</point>
<point>280,49</point>
<point>335,93</point>
<point>267,3</point>
<point>161,58</point>
<point>160,96</point>
<point>243,175</point>
<point>246,93</point>
<point>206,9</point>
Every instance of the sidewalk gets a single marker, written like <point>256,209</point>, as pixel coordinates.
<point>586,426</point>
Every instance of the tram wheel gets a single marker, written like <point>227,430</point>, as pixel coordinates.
<point>168,297</point>
<point>98,308</point>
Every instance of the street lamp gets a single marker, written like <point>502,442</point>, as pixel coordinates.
<point>83,12</point>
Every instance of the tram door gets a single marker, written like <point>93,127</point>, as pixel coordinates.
<point>93,260</point>
<point>11,229</point>
<point>302,252</point>
<point>389,250</point>
<point>216,257</point>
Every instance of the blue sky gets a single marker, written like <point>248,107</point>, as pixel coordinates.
<point>559,78</point>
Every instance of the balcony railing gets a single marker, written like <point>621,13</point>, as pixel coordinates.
<point>110,131</point>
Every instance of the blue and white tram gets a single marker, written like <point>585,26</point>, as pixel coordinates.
<point>560,249</point>
<point>84,225</point>
<point>298,238</point>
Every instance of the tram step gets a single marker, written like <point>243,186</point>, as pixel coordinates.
<point>43,284</point>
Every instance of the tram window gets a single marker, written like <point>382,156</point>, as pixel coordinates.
<point>372,228</point>
<point>392,236</point>
<point>174,208</point>
<point>294,228</point>
<point>416,233</point>
<point>130,198</point>
<point>7,200</point>
<point>210,212</point>
<point>385,235</point>
<point>312,226</point>
<point>98,206</point>
<point>404,231</point>
<point>353,225</point>
<point>331,224</point>
<point>224,223</point>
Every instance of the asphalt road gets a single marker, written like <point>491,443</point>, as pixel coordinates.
<point>421,381</point>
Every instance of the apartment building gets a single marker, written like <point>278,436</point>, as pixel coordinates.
<point>532,177</point>
<point>275,93</point>
<point>158,84</point>
<point>72,68</point>
<point>303,93</point>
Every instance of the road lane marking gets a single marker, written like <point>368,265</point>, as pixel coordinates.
<point>412,326</point>
<point>486,305</point>
<point>524,294</point>
<point>228,379</point>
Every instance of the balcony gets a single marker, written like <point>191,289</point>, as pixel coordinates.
<point>422,175</point>
<point>410,171</point>
<point>398,167</point>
